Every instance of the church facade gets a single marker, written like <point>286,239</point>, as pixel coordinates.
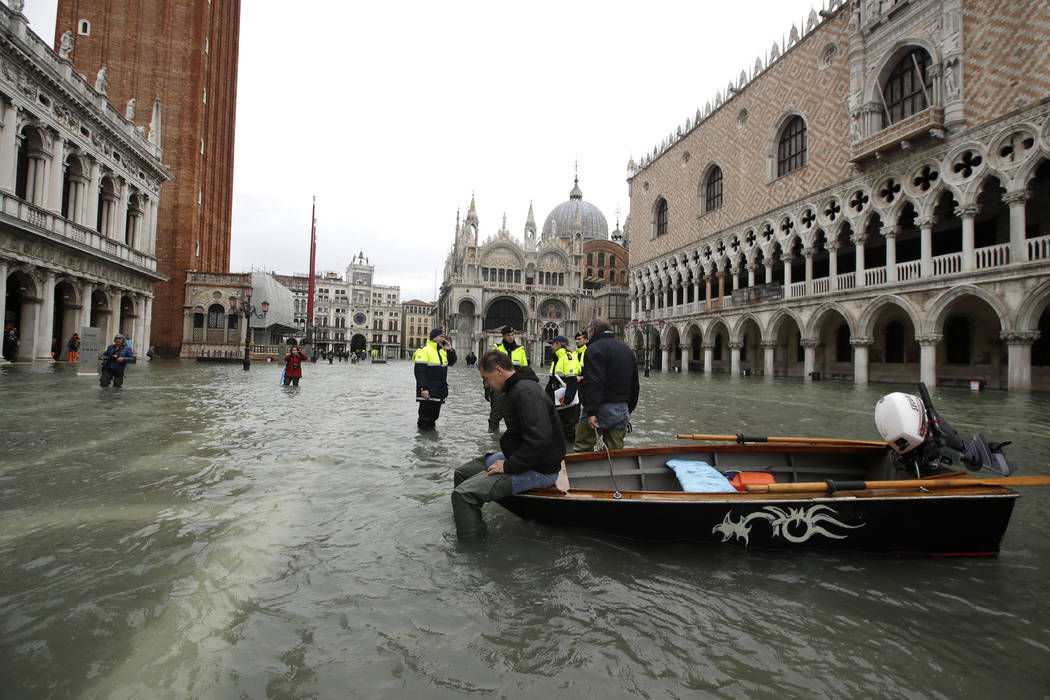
<point>538,284</point>
<point>870,202</point>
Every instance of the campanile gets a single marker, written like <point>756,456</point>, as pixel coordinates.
<point>185,53</point>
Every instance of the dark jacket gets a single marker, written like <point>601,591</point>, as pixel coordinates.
<point>431,370</point>
<point>610,375</point>
<point>111,353</point>
<point>534,439</point>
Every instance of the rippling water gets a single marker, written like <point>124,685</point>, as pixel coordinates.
<point>206,533</point>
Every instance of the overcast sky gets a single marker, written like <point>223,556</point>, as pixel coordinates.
<point>393,113</point>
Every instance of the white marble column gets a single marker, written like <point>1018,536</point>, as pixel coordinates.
<point>709,353</point>
<point>769,272</point>
<point>860,358</point>
<point>27,330</point>
<point>86,289</point>
<point>768,356</point>
<point>707,282</point>
<point>967,215</point>
<point>734,359</point>
<point>665,359</point>
<point>91,197</point>
<point>1016,202</point>
<point>890,234</point>
<point>809,356</point>
<point>1019,358</point>
<point>807,253</point>
<point>928,358</point>
<point>8,146</point>
<point>858,239</point>
<point>139,305</point>
<point>751,274</point>
<point>56,175</point>
<point>925,225</point>
<point>833,264</point>
<point>686,354</point>
<point>46,321</point>
<point>787,258</point>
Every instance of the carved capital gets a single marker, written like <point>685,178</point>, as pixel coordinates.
<point>890,231</point>
<point>810,342</point>
<point>1015,198</point>
<point>809,252</point>
<point>967,212</point>
<point>861,341</point>
<point>859,237</point>
<point>768,344</point>
<point>925,221</point>
<point>735,346</point>
<point>929,340</point>
<point>707,345</point>
<point>787,258</point>
<point>1019,337</point>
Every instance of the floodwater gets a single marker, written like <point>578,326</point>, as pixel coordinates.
<point>206,533</point>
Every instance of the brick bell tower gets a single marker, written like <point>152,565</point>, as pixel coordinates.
<point>185,53</point>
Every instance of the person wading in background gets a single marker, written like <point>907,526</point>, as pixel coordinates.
<point>114,361</point>
<point>293,366</point>
<point>431,368</point>
<point>516,353</point>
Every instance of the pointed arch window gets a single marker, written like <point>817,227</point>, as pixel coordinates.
<point>908,86</point>
<point>713,189</point>
<point>660,224</point>
<point>792,146</point>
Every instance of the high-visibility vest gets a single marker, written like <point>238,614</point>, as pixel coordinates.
<point>564,364</point>
<point>431,355</point>
<point>580,350</point>
<point>517,358</point>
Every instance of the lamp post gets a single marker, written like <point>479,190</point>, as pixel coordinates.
<point>244,308</point>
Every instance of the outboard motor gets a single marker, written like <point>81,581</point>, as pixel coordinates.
<point>926,441</point>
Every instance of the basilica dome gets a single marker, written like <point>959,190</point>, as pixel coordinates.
<point>562,218</point>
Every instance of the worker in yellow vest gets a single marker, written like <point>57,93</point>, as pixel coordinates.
<point>431,369</point>
<point>562,386</point>
<point>581,347</point>
<point>518,359</point>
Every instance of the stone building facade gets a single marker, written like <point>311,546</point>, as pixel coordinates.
<point>183,52</point>
<point>418,319</point>
<point>870,202</point>
<point>79,192</point>
<point>536,284</point>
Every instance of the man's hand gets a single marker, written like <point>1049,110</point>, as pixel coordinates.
<point>425,394</point>
<point>496,467</point>
<point>118,358</point>
<point>592,421</point>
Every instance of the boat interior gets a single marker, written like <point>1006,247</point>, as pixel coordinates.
<point>645,469</point>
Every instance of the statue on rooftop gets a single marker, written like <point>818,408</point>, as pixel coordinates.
<point>65,45</point>
<point>129,110</point>
<point>16,5</point>
<point>100,81</point>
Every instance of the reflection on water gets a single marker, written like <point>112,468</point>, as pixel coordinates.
<point>204,532</point>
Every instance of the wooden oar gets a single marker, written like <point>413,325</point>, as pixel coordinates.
<point>740,438</point>
<point>947,483</point>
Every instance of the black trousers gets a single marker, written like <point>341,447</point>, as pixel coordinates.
<point>568,417</point>
<point>112,375</point>
<point>428,414</point>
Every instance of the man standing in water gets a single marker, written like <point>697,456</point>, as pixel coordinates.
<point>431,367</point>
<point>532,447</point>
<point>114,360</point>
<point>608,390</point>
<point>516,353</point>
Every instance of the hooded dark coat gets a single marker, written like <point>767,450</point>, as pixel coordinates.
<point>534,439</point>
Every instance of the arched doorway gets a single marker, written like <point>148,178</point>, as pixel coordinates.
<point>19,317</point>
<point>64,322</point>
<point>504,311</point>
<point>357,343</point>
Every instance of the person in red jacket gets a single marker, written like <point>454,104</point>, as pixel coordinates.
<point>293,366</point>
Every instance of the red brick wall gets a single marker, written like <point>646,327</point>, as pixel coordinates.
<point>795,83</point>
<point>156,48</point>
<point>1007,59</point>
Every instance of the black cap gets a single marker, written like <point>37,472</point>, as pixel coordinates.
<point>436,332</point>
<point>558,339</point>
<point>506,330</point>
<point>581,334</point>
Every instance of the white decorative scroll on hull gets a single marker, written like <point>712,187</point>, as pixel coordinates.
<point>786,523</point>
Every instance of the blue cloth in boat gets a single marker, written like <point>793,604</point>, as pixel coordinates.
<point>699,476</point>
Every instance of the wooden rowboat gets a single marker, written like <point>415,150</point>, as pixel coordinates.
<point>856,499</point>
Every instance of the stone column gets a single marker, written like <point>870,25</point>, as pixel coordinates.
<point>1019,358</point>
<point>709,353</point>
<point>1016,202</point>
<point>86,288</point>
<point>696,283</point>
<point>858,239</point>
<point>139,305</point>
<point>8,146</point>
<point>925,224</point>
<point>91,197</point>
<point>686,354</point>
<point>787,258</point>
<point>967,214</point>
<point>27,330</point>
<point>3,295</point>
<point>768,356</point>
<point>928,358</point>
<point>807,253</point>
<point>833,264</point>
<point>56,174</point>
<point>860,358</point>
<point>708,279</point>
<point>809,349</point>
<point>769,271</point>
<point>665,359</point>
<point>734,359</point>
<point>721,284</point>
<point>751,267</point>
<point>46,321</point>
<point>890,234</point>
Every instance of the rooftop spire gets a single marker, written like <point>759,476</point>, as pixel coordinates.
<point>576,192</point>
<point>530,220</point>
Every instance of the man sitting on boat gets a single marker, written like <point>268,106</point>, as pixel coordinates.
<point>532,446</point>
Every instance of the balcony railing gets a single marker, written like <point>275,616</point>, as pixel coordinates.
<point>847,280</point>
<point>907,271</point>
<point>947,264</point>
<point>874,276</point>
<point>1038,248</point>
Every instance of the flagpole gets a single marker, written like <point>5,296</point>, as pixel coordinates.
<point>310,294</point>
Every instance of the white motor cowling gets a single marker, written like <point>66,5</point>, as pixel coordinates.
<point>901,420</point>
